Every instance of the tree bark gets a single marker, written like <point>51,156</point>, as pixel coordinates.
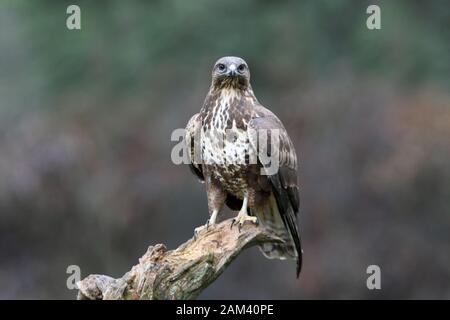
<point>181,273</point>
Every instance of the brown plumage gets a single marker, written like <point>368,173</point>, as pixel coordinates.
<point>226,139</point>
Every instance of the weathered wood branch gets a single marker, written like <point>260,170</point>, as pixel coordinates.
<point>181,273</point>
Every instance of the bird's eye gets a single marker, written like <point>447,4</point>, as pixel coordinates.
<point>241,68</point>
<point>221,67</point>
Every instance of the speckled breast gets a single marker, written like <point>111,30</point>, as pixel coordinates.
<point>227,154</point>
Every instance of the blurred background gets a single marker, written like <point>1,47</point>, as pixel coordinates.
<point>86,176</point>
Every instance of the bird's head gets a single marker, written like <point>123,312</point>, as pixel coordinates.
<point>231,72</point>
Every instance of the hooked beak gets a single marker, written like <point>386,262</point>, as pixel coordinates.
<point>231,71</point>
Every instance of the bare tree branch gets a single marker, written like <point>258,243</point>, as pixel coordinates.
<point>181,273</point>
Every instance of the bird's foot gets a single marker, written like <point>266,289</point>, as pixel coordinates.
<point>199,229</point>
<point>241,218</point>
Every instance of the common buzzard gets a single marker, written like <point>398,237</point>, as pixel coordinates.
<point>224,138</point>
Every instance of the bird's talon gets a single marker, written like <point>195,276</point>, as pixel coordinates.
<point>241,219</point>
<point>197,231</point>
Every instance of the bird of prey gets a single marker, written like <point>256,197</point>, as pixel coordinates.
<point>223,138</point>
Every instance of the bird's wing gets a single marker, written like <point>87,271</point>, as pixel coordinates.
<point>286,178</point>
<point>192,138</point>
<point>283,182</point>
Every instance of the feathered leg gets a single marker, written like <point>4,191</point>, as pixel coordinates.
<point>216,199</point>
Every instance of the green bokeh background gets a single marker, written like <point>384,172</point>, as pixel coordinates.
<point>86,116</point>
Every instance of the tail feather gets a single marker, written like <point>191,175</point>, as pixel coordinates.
<point>270,218</point>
